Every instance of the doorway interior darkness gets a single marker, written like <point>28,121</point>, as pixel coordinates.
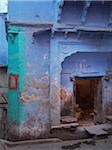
<point>87,95</point>
<point>85,104</point>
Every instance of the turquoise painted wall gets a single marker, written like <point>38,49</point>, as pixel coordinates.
<point>16,66</point>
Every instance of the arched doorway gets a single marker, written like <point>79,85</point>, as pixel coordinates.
<point>81,87</point>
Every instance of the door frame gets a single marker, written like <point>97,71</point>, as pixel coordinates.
<point>98,103</point>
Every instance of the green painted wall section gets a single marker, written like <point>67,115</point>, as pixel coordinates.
<point>16,65</point>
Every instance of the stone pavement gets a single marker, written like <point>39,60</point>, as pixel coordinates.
<point>86,144</point>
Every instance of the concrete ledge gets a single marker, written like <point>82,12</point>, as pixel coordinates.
<point>68,125</point>
<point>39,141</point>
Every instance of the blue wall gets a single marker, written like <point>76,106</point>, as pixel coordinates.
<point>3,41</point>
<point>37,81</point>
<point>67,12</point>
<point>87,42</point>
<point>93,49</point>
<point>52,56</point>
<point>74,13</point>
<point>32,10</point>
<point>86,64</point>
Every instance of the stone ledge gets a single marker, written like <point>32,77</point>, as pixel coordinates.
<point>39,141</point>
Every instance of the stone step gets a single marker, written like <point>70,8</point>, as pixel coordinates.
<point>98,130</point>
<point>109,118</point>
<point>66,126</point>
<point>68,119</point>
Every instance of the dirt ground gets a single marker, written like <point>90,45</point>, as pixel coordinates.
<point>90,144</point>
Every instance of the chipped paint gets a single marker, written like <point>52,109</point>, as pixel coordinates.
<point>45,63</point>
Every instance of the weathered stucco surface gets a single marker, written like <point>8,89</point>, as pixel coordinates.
<point>89,55</point>
<point>32,95</point>
<point>45,57</point>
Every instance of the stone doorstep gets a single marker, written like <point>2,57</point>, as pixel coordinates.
<point>95,131</point>
<point>104,128</point>
<point>99,130</point>
<point>80,132</point>
<point>65,126</point>
<point>68,119</point>
<point>109,118</point>
<point>38,141</point>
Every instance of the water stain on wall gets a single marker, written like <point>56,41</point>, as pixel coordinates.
<point>37,89</point>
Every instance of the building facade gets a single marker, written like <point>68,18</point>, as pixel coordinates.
<point>59,64</point>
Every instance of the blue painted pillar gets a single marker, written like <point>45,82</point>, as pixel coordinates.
<point>55,74</point>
